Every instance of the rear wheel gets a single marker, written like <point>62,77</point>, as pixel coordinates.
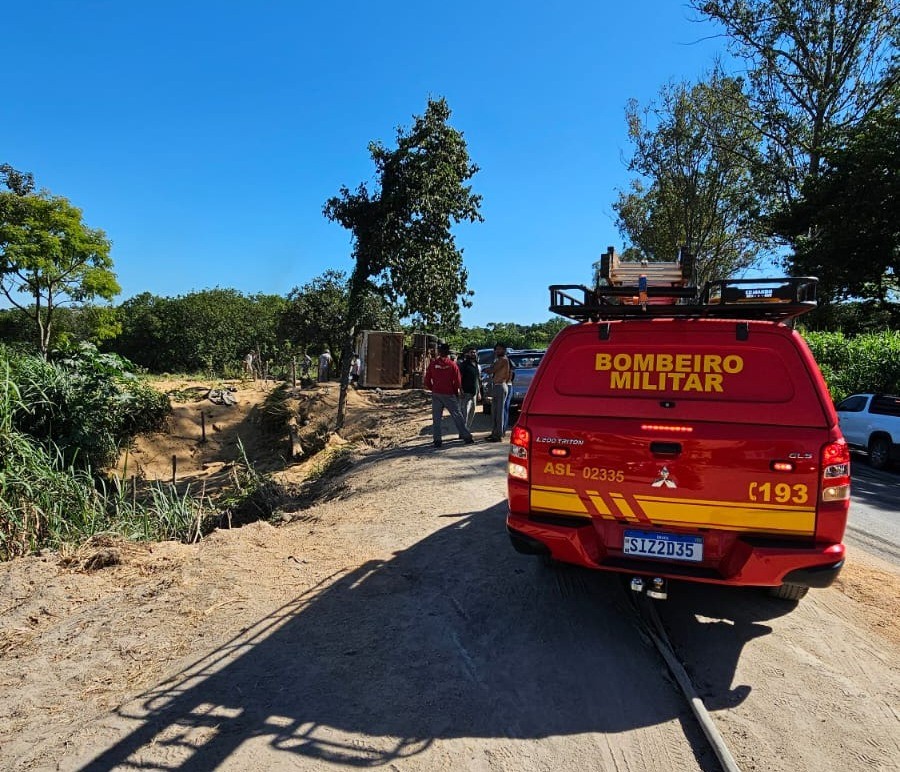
<point>879,452</point>
<point>789,591</point>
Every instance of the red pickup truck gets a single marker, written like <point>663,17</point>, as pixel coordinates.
<point>694,441</point>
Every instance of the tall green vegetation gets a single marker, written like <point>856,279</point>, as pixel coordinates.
<point>513,335</point>
<point>315,315</point>
<point>48,256</point>
<point>206,331</point>
<point>814,69</point>
<point>822,79</point>
<point>799,150</point>
<point>844,226</point>
<point>863,363</point>
<point>60,421</point>
<point>81,406</point>
<point>695,149</point>
<point>403,244</point>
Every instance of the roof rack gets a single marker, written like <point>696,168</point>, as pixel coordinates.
<point>775,299</point>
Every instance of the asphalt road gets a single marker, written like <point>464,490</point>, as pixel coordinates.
<point>874,522</point>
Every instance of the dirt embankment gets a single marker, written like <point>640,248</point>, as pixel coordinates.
<point>389,624</point>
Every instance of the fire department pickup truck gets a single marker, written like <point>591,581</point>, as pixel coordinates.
<point>691,440</point>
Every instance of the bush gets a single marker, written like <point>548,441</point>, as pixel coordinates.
<point>59,421</point>
<point>84,404</point>
<point>864,363</point>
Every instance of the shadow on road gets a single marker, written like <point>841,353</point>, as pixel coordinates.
<point>709,626</point>
<point>456,636</point>
<point>874,487</point>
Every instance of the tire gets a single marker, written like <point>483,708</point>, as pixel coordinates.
<point>879,452</point>
<point>789,591</point>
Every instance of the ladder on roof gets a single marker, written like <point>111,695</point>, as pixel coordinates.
<point>774,299</point>
<point>612,271</point>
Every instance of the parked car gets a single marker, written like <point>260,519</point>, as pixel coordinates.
<point>485,357</point>
<point>525,364</point>
<point>871,422</point>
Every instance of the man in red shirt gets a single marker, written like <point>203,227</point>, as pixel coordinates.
<point>443,380</point>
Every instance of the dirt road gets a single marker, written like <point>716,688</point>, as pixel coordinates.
<point>392,626</point>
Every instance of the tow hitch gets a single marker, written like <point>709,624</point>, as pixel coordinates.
<point>656,587</point>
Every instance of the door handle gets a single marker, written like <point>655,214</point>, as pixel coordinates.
<point>665,448</point>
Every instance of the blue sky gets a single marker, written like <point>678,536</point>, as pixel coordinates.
<point>204,137</point>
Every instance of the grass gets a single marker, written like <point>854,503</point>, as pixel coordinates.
<point>48,501</point>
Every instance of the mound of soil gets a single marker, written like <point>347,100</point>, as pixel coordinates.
<point>278,430</point>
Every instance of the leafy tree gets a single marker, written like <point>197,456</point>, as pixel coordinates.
<point>537,335</point>
<point>844,226</point>
<point>315,315</point>
<point>20,183</point>
<point>147,337</point>
<point>403,245</point>
<point>48,254</point>
<point>209,330</point>
<point>696,149</point>
<point>815,68</point>
<point>85,323</point>
<point>15,326</point>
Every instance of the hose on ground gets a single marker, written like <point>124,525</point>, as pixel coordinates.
<point>660,639</point>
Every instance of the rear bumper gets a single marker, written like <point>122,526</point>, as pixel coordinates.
<point>747,560</point>
<point>817,576</point>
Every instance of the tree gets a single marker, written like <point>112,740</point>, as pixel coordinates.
<point>816,67</point>
<point>403,245</point>
<point>315,315</point>
<point>696,149</point>
<point>20,183</point>
<point>48,254</point>
<point>513,335</point>
<point>844,226</point>
<point>209,330</point>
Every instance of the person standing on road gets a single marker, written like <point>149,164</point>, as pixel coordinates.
<point>470,377</point>
<point>442,379</point>
<point>501,377</point>
<point>324,365</point>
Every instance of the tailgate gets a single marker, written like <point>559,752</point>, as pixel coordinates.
<point>691,475</point>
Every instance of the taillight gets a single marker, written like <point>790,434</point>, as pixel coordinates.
<point>519,444</point>
<point>836,471</point>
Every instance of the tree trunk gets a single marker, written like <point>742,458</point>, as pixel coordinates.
<point>354,313</point>
<point>346,356</point>
<point>43,328</point>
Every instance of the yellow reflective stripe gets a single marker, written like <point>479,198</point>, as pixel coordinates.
<point>623,506</point>
<point>732,515</point>
<point>599,504</point>
<point>698,513</point>
<point>562,500</point>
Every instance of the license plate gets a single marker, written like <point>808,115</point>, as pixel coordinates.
<point>671,546</point>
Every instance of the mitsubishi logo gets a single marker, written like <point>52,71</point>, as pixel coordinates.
<point>663,480</point>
